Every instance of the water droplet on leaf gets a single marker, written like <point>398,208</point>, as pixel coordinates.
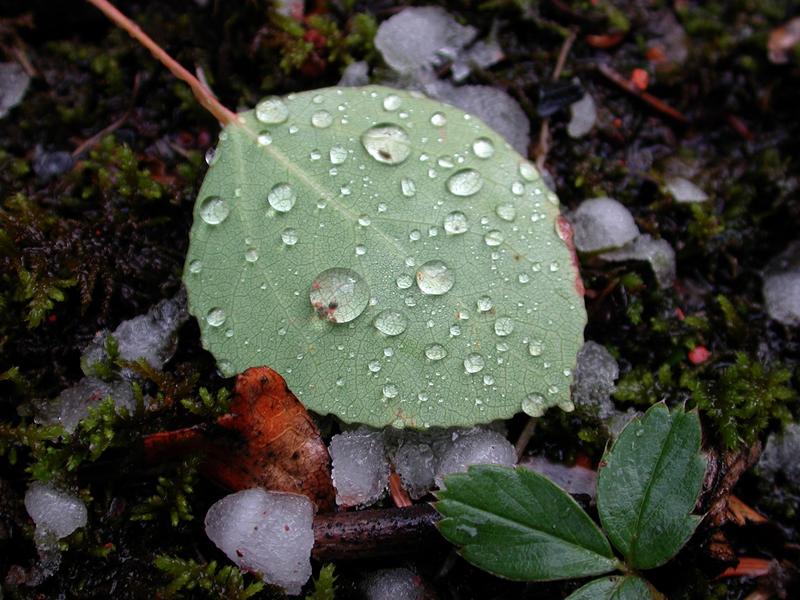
<point>282,197</point>
<point>272,110</point>
<point>214,210</point>
<point>533,405</point>
<point>455,223</point>
<point>339,295</point>
<point>434,278</point>
<point>438,119</point>
<point>465,182</point>
<point>387,143</point>
<point>215,317</point>
<point>321,119</point>
<point>503,326</point>
<point>435,352</point>
<point>474,363</point>
<point>483,147</point>
<point>289,236</point>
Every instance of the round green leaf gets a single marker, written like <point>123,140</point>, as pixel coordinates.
<point>391,256</point>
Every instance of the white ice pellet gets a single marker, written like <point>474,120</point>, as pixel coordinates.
<point>583,116</point>
<point>393,584</point>
<point>360,467</point>
<point>355,74</point>
<point>475,447</point>
<point>601,224</point>
<point>780,455</point>
<point>415,463</point>
<point>782,297</point>
<point>418,38</point>
<point>658,253</point>
<point>14,81</point>
<point>266,532</point>
<point>54,511</point>
<point>684,190</point>
<point>74,403</point>
<point>595,373</point>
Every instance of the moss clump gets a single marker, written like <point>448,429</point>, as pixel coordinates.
<point>188,578</point>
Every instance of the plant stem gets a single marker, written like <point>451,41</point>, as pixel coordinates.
<point>201,92</point>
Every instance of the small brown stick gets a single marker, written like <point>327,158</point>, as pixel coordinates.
<point>201,92</point>
<point>95,139</point>
<point>373,533</point>
<point>525,437</point>
<point>631,88</point>
<point>543,146</point>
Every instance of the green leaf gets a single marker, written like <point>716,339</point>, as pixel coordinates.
<point>648,485</point>
<point>376,191</point>
<point>518,524</point>
<point>627,587</point>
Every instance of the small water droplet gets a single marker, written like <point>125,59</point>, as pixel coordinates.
<point>195,266</point>
<point>361,250</point>
<point>272,110</point>
<point>322,119</point>
<point>474,363</point>
<point>404,281</point>
<point>410,301</point>
<point>338,154</point>
<point>523,278</point>
<point>483,147</point>
<point>455,223</point>
<point>414,235</point>
<point>390,322</point>
<point>446,162</point>
<point>264,138</point>
<point>345,190</point>
<point>387,143</point>
<point>507,212</point>
<point>214,210</point>
<point>517,188</point>
<point>339,381</point>
<point>485,304</point>
<point>465,182</point>
<point>528,172</point>
<point>390,390</point>
<point>289,236</point>
<point>211,156</point>
<point>251,255</point>
<point>493,238</point>
<point>535,347</point>
<point>315,155</point>
<point>435,352</point>
<point>554,266</point>
<point>282,197</point>
<point>215,317</point>
<point>392,102</point>
<point>434,278</point>
<point>553,389</point>
<point>339,295</point>
<point>318,99</point>
<point>533,405</point>
<point>438,119</point>
<point>503,326</point>
<point>408,187</point>
<point>364,221</point>
<point>229,333</point>
<point>455,330</point>
<point>488,379</point>
<point>374,366</point>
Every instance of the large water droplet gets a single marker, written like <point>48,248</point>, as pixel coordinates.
<point>455,223</point>
<point>438,119</point>
<point>493,238</point>
<point>390,322</point>
<point>434,278</point>
<point>289,236</point>
<point>528,172</point>
<point>435,352</point>
<point>214,210</point>
<point>272,110</point>
<point>215,317</point>
<point>503,326</point>
<point>404,281</point>
<point>517,188</point>
<point>485,304</point>
<point>507,212</point>
<point>392,102</point>
<point>374,366</point>
<point>322,119</point>
<point>387,143</point>
<point>390,390</point>
<point>474,363</point>
<point>408,187</point>
<point>465,182</point>
<point>282,197</point>
<point>339,295</point>
<point>533,405</point>
<point>483,147</point>
<point>338,154</point>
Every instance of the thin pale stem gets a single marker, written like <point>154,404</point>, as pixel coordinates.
<point>204,95</point>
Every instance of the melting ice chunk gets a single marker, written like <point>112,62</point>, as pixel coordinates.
<point>74,403</point>
<point>583,116</point>
<point>602,223</point>
<point>54,511</point>
<point>393,584</point>
<point>360,467</point>
<point>782,286</point>
<point>684,190</point>
<point>266,532</point>
<point>658,253</point>
<point>13,85</point>
<point>475,447</point>
<point>595,373</point>
<point>780,455</point>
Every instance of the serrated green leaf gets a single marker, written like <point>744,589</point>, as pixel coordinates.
<point>627,587</point>
<point>369,180</point>
<point>648,485</point>
<point>518,524</point>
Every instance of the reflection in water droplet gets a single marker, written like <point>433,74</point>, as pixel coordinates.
<point>390,322</point>
<point>503,326</point>
<point>528,171</point>
<point>533,405</point>
<point>195,266</point>
<point>390,390</point>
<point>289,236</point>
<point>272,110</point>
<point>535,347</point>
<point>465,182</point>
<point>435,352</point>
<point>264,138</point>
<point>507,212</point>
<point>483,147</point>
<point>434,278</point>
<point>339,295</point>
<point>493,238</point>
<point>404,281</point>
<point>251,255</point>
<point>392,102</point>
<point>485,304</point>
<point>215,317</point>
<point>473,363</point>
<point>455,223</point>
<point>438,119</point>
<point>282,197</point>
<point>211,156</point>
<point>408,187</point>
<point>338,154</point>
<point>387,143</point>
<point>321,119</point>
<point>214,210</point>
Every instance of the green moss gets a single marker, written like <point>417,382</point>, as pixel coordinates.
<point>324,584</point>
<point>172,496</point>
<point>192,579</point>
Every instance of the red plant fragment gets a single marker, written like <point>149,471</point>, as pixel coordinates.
<point>268,440</point>
<point>604,41</point>
<point>698,355</point>
<point>747,567</point>
<point>398,493</point>
<point>640,79</point>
